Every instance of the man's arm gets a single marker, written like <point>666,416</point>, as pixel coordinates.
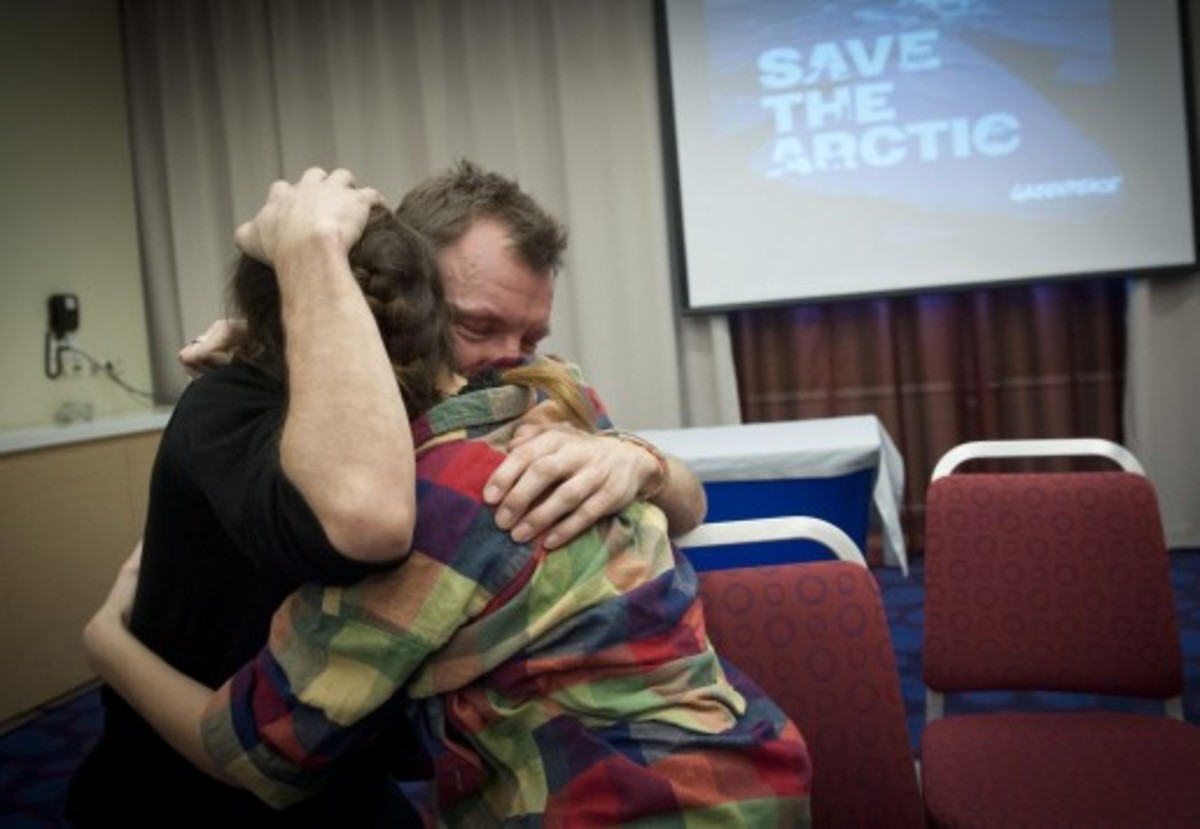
<point>561,480</point>
<point>682,500</point>
<point>345,443</point>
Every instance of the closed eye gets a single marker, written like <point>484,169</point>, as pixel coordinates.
<point>474,330</point>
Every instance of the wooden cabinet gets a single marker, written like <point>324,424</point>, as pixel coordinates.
<point>69,515</point>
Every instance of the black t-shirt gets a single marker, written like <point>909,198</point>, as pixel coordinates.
<point>227,537</point>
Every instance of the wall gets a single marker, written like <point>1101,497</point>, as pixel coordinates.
<point>69,515</point>
<point>66,207</point>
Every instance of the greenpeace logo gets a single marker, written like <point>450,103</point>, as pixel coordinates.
<point>1071,188</point>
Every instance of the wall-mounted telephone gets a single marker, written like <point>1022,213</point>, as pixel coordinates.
<point>64,320</point>
<point>64,314</point>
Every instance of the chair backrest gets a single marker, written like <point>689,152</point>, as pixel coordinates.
<point>763,530</point>
<point>1051,581</point>
<point>1037,448</point>
<point>814,637</point>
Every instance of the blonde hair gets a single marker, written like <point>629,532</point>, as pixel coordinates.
<point>560,385</point>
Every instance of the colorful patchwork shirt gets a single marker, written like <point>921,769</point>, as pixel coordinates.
<point>569,687</point>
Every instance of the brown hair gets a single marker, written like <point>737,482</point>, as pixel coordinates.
<point>444,207</point>
<point>394,266</point>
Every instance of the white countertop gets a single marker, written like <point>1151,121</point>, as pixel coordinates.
<point>38,437</point>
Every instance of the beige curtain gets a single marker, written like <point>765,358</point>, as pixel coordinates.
<point>1163,393</point>
<point>228,95</point>
<point>1163,397</point>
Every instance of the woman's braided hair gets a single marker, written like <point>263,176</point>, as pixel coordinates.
<point>396,270</point>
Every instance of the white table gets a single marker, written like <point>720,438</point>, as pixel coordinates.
<point>816,448</point>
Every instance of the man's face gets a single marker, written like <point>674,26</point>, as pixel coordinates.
<point>500,307</point>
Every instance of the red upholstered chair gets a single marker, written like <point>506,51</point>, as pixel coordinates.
<point>814,636</point>
<point>1052,581</point>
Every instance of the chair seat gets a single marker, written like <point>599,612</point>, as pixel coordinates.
<point>1093,769</point>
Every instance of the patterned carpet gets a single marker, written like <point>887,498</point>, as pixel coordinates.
<point>38,756</point>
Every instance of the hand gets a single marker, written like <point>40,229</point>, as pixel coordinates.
<point>118,604</point>
<point>560,480</point>
<point>112,617</point>
<point>317,205</point>
<point>213,348</point>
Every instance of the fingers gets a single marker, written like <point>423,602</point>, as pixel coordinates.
<point>342,178</point>
<point>559,482</point>
<point>527,431</point>
<point>574,521</point>
<point>535,462</point>
<point>318,202</point>
<point>200,357</point>
<point>118,604</point>
<point>249,235</point>
<point>521,480</point>
<point>245,237</point>
<point>213,348</point>
<point>573,526</point>
<point>546,497</point>
<point>372,197</point>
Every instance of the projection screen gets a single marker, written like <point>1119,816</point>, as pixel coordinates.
<point>821,150</point>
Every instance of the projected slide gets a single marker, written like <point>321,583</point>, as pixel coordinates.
<point>830,149</point>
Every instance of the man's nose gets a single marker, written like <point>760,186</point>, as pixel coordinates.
<point>505,352</point>
<point>512,347</point>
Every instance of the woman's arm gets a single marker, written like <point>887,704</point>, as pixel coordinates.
<point>327,680</point>
<point>169,701</point>
<point>308,680</point>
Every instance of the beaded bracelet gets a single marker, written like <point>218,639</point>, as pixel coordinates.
<point>664,468</point>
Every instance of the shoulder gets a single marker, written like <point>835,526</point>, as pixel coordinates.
<point>461,465</point>
<point>236,384</point>
<point>230,401</point>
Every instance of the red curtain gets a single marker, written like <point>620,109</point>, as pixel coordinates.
<point>1037,360</point>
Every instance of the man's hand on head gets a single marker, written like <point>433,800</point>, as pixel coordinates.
<point>318,205</point>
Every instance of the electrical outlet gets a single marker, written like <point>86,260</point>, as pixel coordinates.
<point>75,364</point>
<point>113,368</point>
